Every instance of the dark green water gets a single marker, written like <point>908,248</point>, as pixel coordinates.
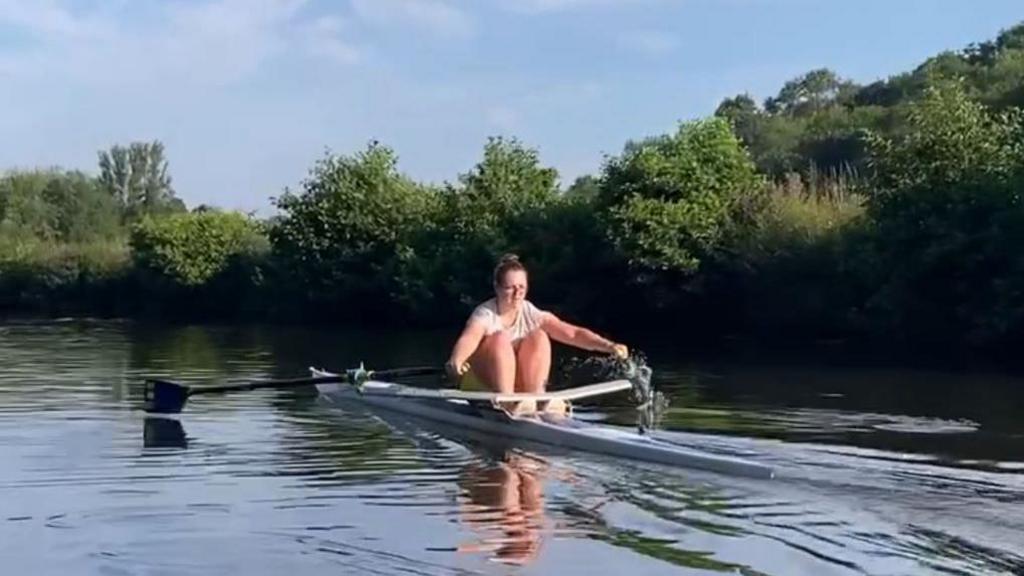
<point>881,470</point>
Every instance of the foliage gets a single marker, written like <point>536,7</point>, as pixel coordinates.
<point>586,187</point>
<point>190,249</point>
<point>947,217</point>
<point>503,204</point>
<point>815,120</point>
<point>952,140</point>
<point>136,178</point>
<point>813,92</point>
<point>890,211</point>
<point>668,200</point>
<point>508,182</point>
<point>60,278</point>
<point>54,205</point>
<point>787,271</point>
<point>350,230</point>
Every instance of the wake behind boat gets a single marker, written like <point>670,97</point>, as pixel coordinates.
<point>481,411</point>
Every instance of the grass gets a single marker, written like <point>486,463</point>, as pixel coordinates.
<point>801,212</point>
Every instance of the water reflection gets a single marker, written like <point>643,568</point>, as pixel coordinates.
<point>160,432</point>
<point>885,472</point>
<point>503,501</point>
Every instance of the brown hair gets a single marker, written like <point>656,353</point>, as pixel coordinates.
<point>507,263</point>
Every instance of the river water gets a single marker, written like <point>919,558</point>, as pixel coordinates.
<point>880,470</point>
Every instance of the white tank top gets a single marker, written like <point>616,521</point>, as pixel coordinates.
<point>528,319</point>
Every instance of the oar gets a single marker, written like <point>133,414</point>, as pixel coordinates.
<point>169,397</point>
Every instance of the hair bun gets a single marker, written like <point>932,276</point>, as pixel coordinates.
<point>507,263</point>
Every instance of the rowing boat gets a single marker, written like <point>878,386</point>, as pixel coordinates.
<point>482,412</point>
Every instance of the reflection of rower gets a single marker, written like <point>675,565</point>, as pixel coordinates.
<point>504,500</point>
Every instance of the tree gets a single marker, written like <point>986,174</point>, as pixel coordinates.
<point>82,211</point>
<point>509,180</point>
<point>737,107</point>
<point>56,205</point>
<point>496,207</point>
<point>349,233</point>
<point>947,216</point>
<point>585,187</point>
<point>136,177</point>
<point>986,53</point>
<point>744,114</point>
<point>811,93</point>
<point>669,200</point>
<point>952,139</point>
<point>24,212</point>
<point>190,249</point>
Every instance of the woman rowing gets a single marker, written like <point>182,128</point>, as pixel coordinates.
<point>506,344</point>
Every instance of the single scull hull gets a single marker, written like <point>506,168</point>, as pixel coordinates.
<point>554,430</point>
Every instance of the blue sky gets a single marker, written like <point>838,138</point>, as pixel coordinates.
<point>247,94</point>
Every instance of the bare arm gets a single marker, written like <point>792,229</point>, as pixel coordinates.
<point>465,346</point>
<point>580,337</point>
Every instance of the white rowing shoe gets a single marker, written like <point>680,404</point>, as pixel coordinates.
<point>488,412</point>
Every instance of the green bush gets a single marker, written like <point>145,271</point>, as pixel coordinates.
<point>190,249</point>
<point>500,205</point>
<point>64,278</point>
<point>947,216</point>
<point>349,234</point>
<point>787,268</point>
<point>951,139</point>
<point>56,206</point>
<point>668,201</point>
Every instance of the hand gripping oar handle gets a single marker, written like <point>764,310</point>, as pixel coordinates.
<point>169,397</point>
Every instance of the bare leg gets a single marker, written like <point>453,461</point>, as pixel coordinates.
<point>494,363</point>
<point>534,362</point>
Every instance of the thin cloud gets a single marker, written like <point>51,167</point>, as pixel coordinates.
<point>648,42</point>
<point>325,39</point>
<point>193,44</point>
<point>546,6</point>
<point>227,39</point>
<point>517,110</point>
<point>563,94</point>
<point>503,117</point>
<point>47,19</point>
<point>434,16</point>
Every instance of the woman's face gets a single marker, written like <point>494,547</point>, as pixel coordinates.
<point>512,288</point>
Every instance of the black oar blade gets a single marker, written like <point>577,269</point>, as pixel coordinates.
<point>165,396</point>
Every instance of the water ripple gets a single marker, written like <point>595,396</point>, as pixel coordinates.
<point>275,481</point>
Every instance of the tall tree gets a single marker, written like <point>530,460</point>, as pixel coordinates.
<point>743,113</point>
<point>137,178</point>
<point>811,93</point>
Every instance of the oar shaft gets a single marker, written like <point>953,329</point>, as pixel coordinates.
<point>166,396</point>
<point>294,382</point>
<point>407,372</point>
<point>258,384</point>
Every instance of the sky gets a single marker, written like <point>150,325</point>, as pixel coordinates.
<point>247,95</point>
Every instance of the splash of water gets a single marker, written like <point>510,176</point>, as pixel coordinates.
<point>649,402</point>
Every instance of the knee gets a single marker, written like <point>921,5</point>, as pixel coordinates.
<point>538,340</point>
<point>497,341</point>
